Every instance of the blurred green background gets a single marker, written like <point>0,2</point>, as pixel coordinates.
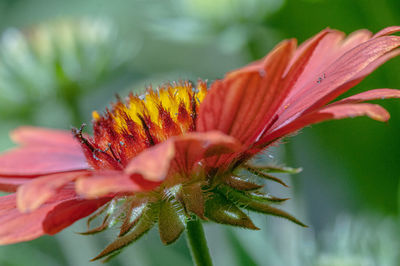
<point>59,60</point>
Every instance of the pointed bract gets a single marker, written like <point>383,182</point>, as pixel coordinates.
<point>221,210</point>
<point>143,226</point>
<point>170,224</point>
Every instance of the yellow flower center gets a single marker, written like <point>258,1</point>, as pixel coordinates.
<point>141,121</point>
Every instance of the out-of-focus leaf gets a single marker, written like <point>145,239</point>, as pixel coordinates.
<point>61,59</point>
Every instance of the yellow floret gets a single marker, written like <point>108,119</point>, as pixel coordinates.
<point>170,97</point>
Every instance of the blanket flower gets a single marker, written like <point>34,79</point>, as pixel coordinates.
<point>184,151</point>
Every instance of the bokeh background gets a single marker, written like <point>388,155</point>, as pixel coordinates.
<point>59,60</point>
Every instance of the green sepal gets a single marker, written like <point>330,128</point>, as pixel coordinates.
<point>221,210</point>
<point>104,225</point>
<point>170,224</point>
<point>257,203</point>
<point>275,169</point>
<point>260,173</point>
<point>149,218</point>
<point>243,197</point>
<point>241,184</point>
<point>268,209</point>
<point>191,196</point>
<point>265,198</point>
<point>96,214</point>
<point>134,211</point>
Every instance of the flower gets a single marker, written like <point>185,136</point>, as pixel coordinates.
<point>181,151</point>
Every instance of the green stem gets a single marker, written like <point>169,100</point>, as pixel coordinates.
<point>197,243</point>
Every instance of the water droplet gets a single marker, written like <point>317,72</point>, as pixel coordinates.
<point>321,78</point>
<point>206,144</point>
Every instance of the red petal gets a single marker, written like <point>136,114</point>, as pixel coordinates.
<point>238,105</point>
<point>104,183</point>
<point>33,194</point>
<point>153,163</point>
<point>152,166</point>
<point>331,47</point>
<point>350,67</point>
<point>37,136</point>
<point>68,212</point>
<point>149,167</point>
<point>341,111</point>
<point>374,65</point>
<point>10,184</point>
<point>376,94</point>
<point>334,111</point>
<point>43,151</point>
<point>298,64</point>
<point>359,77</point>
<point>40,160</point>
<point>387,31</point>
<point>186,150</point>
<point>17,226</point>
<point>60,212</point>
<point>194,147</point>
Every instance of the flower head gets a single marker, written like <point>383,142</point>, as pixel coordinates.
<point>182,151</point>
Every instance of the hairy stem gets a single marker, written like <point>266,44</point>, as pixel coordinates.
<point>197,243</point>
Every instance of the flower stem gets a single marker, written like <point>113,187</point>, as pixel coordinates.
<point>197,243</point>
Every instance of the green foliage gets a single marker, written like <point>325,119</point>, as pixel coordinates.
<point>57,60</point>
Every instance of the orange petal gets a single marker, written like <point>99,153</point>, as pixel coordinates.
<point>334,111</point>
<point>239,104</point>
<point>186,150</point>
<point>66,213</point>
<point>51,217</point>
<point>387,31</point>
<point>33,194</point>
<point>10,184</point>
<point>359,77</point>
<point>375,94</point>
<point>334,79</point>
<point>194,147</point>
<point>105,183</point>
<point>374,65</point>
<point>40,160</point>
<point>332,46</point>
<point>153,163</point>
<point>341,111</point>
<point>27,135</point>
<point>300,61</point>
<point>152,166</point>
<point>145,171</point>
<point>43,151</point>
<point>17,226</point>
